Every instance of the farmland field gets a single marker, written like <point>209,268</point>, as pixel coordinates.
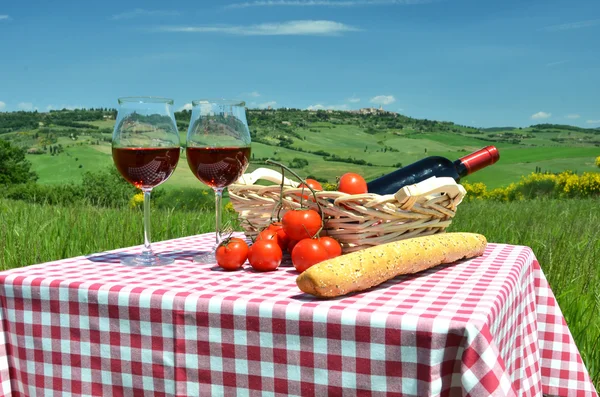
<point>370,145</point>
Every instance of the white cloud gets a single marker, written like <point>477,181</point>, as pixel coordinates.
<point>593,121</point>
<point>4,17</point>
<point>187,106</point>
<point>353,99</point>
<point>325,3</point>
<point>572,25</point>
<point>253,94</point>
<point>140,13</point>
<point>267,104</point>
<point>383,99</point>
<point>290,28</point>
<point>2,105</point>
<point>320,106</point>
<point>573,116</point>
<point>551,64</point>
<point>27,106</point>
<point>541,116</point>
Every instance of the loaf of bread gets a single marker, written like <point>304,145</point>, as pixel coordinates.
<point>369,267</point>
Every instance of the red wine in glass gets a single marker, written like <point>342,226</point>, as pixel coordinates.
<point>146,149</point>
<point>218,151</point>
<point>146,167</point>
<point>218,167</point>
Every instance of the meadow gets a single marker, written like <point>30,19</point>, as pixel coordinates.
<point>371,145</point>
<point>563,234</point>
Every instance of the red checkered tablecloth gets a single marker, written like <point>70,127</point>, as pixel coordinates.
<point>90,326</point>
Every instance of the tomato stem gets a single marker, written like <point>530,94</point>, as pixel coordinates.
<point>314,193</point>
<point>252,226</point>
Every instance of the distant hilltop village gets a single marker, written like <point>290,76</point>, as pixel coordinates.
<point>379,110</point>
<point>372,111</point>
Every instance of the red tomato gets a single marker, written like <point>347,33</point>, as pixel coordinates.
<point>331,245</point>
<point>265,255</point>
<point>300,224</point>
<point>275,226</point>
<point>308,252</point>
<point>282,237</point>
<point>267,234</point>
<point>291,245</point>
<point>231,254</point>
<point>315,185</point>
<point>352,183</point>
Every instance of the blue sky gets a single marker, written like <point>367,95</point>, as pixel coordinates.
<point>475,62</point>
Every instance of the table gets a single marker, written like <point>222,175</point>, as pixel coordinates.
<point>90,326</point>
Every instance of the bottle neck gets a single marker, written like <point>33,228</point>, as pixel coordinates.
<point>477,160</point>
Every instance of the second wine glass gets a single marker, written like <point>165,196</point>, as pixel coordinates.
<point>218,151</point>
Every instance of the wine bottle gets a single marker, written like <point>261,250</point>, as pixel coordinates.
<point>434,166</point>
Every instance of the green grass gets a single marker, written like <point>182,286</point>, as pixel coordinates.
<point>524,154</point>
<point>503,174</point>
<point>64,232</point>
<point>65,166</point>
<point>564,236</point>
<point>349,140</point>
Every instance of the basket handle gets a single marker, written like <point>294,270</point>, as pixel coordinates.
<point>408,195</point>
<point>265,174</point>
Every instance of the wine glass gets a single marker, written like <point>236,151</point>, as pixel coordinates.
<point>217,151</point>
<point>145,149</point>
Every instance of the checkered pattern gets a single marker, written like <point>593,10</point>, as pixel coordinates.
<point>90,326</point>
<point>148,173</point>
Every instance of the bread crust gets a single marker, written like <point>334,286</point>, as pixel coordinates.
<point>367,268</point>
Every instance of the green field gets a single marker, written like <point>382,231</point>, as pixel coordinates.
<point>381,141</point>
<point>563,234</point>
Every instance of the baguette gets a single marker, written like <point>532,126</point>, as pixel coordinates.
<point>372,266</point>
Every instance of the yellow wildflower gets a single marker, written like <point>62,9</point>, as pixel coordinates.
<point>137,200</point>
<point>229,208</point>
<point>476,190</point>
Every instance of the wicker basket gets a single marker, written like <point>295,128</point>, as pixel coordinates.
<point>356,221</point>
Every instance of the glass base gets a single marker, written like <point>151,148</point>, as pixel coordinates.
<point>147,259</point>
<point>207,257</point>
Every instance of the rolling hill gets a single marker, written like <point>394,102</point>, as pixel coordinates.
<point>64,144</point>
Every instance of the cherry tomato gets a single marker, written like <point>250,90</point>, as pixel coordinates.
<point>315,185</point>
<point>308,252</point>
<point>331,245</point>
<point>232,253</point>
<point>291,245</point>
<point>275,226</point>
<point>352,183</point>
<point>267,234</point>
<point>300,224</point>
<point>312,183</point>
<point>265,255</point>
<point>282,238</point>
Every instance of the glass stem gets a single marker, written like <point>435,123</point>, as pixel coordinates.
<point>218,199</point>
<point>147,247</point>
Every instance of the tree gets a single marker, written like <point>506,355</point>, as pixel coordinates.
<point>298,162</point>
<point>14,168</point>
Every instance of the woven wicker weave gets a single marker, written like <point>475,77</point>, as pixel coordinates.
<point>356,221</point>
